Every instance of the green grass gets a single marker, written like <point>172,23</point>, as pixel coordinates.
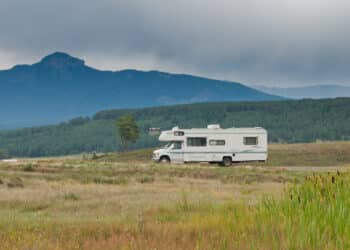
<point>143,155</point>
<point>313,215</point>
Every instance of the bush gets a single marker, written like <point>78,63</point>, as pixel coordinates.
<point>28,168</point>
<point>146,179</point>
<point>71,196</point>
<point>106,180</point>
<point>15,182</point>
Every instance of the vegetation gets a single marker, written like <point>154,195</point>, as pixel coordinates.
<point>286,122</point>
<point>4,154</point>
<point>128,131</point>
<point>123,201</point>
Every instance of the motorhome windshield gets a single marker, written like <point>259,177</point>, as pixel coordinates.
<point>167,145</point>
<point>173,145</point>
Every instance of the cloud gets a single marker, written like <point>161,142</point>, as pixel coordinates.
<point>272,42</point>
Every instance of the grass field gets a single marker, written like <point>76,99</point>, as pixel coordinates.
<point>298,199</point>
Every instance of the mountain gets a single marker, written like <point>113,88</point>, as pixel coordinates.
<point>60,87</point>
<point>314,91</point>
<point>286,121</point>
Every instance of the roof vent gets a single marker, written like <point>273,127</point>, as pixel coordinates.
<point>214,126</point>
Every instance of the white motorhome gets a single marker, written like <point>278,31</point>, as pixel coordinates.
<point>213,144</point>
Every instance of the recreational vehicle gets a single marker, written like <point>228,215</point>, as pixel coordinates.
<point>212,144</point>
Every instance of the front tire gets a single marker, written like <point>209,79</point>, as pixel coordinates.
<point>164,159</point>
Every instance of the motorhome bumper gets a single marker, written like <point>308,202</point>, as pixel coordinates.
<point>155,157</point>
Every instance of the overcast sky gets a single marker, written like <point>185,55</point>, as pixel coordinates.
<point>265,42</point>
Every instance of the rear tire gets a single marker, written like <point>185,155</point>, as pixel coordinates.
<point>226,161</point>
<point>164,159</point>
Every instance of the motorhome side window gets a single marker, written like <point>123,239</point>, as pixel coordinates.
<point>177,145</point>
<point>179,133</point>
<point>217,142</point>
<point>250,140</point>
<point>196,142</point>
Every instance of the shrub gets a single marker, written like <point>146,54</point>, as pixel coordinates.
<point>115,180</point>
<point>15,182</point>
<point>71,196</point>
<point>146,179</point>
<point>28,168</point>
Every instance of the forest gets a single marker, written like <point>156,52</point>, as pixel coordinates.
<point>290,121</point>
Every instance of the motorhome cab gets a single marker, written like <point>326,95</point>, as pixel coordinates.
<point>213,144</point>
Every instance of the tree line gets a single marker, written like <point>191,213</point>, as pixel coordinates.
<point>286,121</point>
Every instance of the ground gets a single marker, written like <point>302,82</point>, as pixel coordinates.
<point>125,201</point>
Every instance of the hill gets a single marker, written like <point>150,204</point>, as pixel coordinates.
<point>315,91</point>
<point>61,87</point>
<point>286,122</point>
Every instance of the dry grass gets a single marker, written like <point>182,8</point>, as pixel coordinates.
<point>310,154</point>
<point>126,202</point>
<point>301,154</point>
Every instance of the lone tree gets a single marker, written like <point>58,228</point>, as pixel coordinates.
<point>128,131</point>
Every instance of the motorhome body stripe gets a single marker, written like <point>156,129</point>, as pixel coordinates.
<point>215,133</point>
<point>247,152</point>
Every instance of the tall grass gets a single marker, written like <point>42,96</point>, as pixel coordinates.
<point>313,215</point>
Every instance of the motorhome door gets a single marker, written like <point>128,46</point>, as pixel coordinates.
<point>176,152</point>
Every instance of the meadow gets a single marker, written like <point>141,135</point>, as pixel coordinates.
<point>298,199</point>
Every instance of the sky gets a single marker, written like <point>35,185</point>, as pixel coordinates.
<point>256,42</point>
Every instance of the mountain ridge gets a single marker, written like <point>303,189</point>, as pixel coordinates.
<point>60,87</point>
<point>311,91</point>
